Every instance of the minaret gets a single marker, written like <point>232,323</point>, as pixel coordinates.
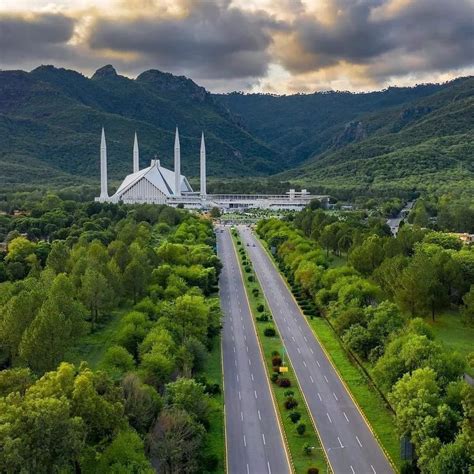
<point>177,165</point>
<point>203,167</point>
<point>136,155</point>
<point>103,167</point>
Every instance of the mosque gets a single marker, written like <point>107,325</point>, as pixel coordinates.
<point>159,185</point>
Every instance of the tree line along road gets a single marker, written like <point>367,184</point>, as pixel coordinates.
<point>349,443</point>
<point>254,440</point>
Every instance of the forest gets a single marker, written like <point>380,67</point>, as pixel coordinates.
<point>381,296</point>
<point>71,272</point>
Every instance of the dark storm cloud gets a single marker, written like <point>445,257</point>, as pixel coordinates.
<point>38,36</point>
<point>396,37</point>
<point>211,41</point>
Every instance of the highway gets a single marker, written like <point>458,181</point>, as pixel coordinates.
<point>254,441</point>
<point>349,443</point>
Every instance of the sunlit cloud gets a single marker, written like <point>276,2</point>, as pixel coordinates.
<point>278,46</point>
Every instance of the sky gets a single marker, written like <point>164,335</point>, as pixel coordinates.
<point>274,46</point>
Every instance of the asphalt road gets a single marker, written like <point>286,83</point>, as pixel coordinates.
<point>254,440</point>
<point>347,440</point>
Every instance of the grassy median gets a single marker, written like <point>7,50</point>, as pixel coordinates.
<point>305,449</point>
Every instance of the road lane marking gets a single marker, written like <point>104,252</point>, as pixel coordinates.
<point>251,376</point>
<point>248,469</point>
<point>247,347</point>
<point>358,440</point>
<point>352,470</point>
<point>250,362</point>
<point>293,337</point>
<point>259,416</point>
<point>305,338</point>
<point>298,349</point>
<point>242,415</point>
<point>317,362</point>
<point>340,442</point>
<point>375,472</point>
<point>234,350</point>
<point>345,416</point>
<point>335,396</point>
<point>240,396</point>
<point>311,378</point>
<point>288,328</point>
<point>255,393</point>
<point>319,396</point>
<point>329,418</point>
<point>312,352</point>
<point>235,362</point>
<point>263,438</point>
<point>245,442</point>
<point>237,378</point>
<point>268,465</point>
<point>304,363</point>
<point>325,378</point>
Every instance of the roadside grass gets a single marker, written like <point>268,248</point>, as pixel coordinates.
<point>214,443</point>
<point>296,443</point>
<point>449,328</point>
<point>92,347</point>
<point>379,416</point>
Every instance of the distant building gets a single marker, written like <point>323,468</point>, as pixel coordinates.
<point>159,185</point>
<point>465,238</point>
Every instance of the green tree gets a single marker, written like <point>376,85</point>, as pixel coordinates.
<point>59,321</point>
<point>96,294</point>
<point>58,256</point>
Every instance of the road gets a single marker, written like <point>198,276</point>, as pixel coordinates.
<point>394,222</point>
<point>254,441</point>
<point>349,443</point>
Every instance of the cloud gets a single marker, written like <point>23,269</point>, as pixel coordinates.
<point>269,45</point>
<point>34,36</point>
<point>385,37</point>
<point>207,41</point>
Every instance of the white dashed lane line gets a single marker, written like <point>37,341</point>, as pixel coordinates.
<point>329,418</point>
<point>358,440</point>
<point>345,416</point>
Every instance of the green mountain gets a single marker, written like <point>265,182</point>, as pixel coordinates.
<point>50,122</point>
<point>400,140</point>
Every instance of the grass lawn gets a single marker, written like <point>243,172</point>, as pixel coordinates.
<point>91,347</point>
<point>215,444</point>
<point>380,418</point>
<point>295,442</point>
<point>449,329</point>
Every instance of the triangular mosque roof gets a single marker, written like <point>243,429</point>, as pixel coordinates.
<point>160,177</point>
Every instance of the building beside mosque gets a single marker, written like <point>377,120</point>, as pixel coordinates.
<point>159,185</point>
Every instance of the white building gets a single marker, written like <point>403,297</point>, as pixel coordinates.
<point>159,185</point>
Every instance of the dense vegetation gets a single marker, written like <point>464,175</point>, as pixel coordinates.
<point>74,270</point>
<point>397,141</point>
<point>376,302</point>
<point>50,121</point>
<point>400,141</point>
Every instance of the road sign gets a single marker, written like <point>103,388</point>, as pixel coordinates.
<point>283,369</point>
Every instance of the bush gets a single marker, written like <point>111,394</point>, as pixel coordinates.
<point>301,429</point>
<point>275,353</point>
<point>290,403</point>
<point>269,332</point>
<point>313,470</point>
<point>294,416</point>
<point>255,292</point>
<point>284,383</point>
<point>274,377</point>
<point>248,269</point>
<point>288,393</point>
<point>251,279</point>
<point>263,318</point>
<point>308,449</point>
<point>276,368</point>
<point>260,308</point>
<point>276,361</point>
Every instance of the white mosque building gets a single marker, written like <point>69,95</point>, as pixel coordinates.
<point>159,185</point>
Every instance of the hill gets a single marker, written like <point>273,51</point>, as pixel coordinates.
<point>50,121</point>
<point>401,140</point>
